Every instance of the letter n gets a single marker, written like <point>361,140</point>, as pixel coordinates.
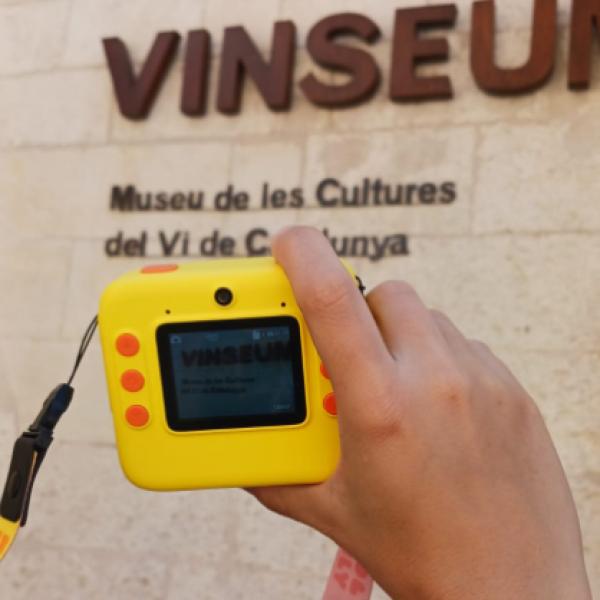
<point>273,79</point>
<point>585,21</point>
<point>136,95</point>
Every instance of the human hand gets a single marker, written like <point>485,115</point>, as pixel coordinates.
<point>449,486</point>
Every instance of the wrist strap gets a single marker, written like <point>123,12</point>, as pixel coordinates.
<point>30,450</point>
<point>28,454</point>
<point>348,580</point>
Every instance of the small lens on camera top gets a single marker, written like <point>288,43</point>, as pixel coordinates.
<point>224,296</point>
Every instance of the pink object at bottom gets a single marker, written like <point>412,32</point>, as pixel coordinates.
<point>348,580</point>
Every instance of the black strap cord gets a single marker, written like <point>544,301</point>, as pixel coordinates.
<point>85,342</point>
<point>30,449</point>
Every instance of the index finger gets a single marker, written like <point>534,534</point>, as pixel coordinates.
<point>338,317</point>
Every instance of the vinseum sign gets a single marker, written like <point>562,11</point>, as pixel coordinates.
<point>327,44</point>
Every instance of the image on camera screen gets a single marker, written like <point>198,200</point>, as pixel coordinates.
<point>227,374</point>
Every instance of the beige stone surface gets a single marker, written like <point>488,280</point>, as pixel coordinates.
<point>31,35</point>
<point>277,164</point>
<point>60,572</point>
<point>390,156</point>
<point>54,108</point>
<point>309,13</point>
<point>514,261</point>
<point>52,201</point>
<point>136,22</point>
<point>257,19</point>
<point>510,14</point>
<point>39,273</point>
<point>527,292</point>
<point>525,177</point>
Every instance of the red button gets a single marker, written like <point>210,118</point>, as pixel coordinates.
<point>127,344</point>
<point>137,416</point>
<point>160,268</point>
<point>324,371</point>
<point>132,381</point>
<point>329,404</point>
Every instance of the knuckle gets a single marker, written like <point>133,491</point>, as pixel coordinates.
<point>399,293</point>
<point>452,384</point>
<point>385,421</point>
<point>382,426</point>
<point>394,288</point>
<point>402,289</point>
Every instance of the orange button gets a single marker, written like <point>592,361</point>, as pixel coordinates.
<point>137,416</point>
<point>160,268</point>
<point>324,371</point>
<point>329,404</point>
<point>127,344</point>
<point>132,380</point>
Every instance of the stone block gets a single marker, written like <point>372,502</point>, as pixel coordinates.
<point>241,581</point>
<point>54,108</point>
<point>277,164</point>
<point>306,14</point>
<point>510,14</point>
<point>528,293</point>
<point>445,156</point>
<point>52,201</point>
<point>31,35</point>
<point>136,22</point>
<point>33,276</point>
<point>257,19</point>
<point>59,573</point>
<point>89,504</point>
<point>538,178</point>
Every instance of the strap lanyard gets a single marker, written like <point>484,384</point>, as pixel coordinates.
<point>28,454</point>
<point>30,450</point>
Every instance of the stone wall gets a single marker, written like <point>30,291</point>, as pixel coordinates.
<point>515,260</point>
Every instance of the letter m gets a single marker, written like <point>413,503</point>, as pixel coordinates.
<point>122,198</point>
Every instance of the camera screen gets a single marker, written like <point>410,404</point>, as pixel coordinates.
<point>231,374</point>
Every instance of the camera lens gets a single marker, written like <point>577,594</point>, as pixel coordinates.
<point>224,296</point>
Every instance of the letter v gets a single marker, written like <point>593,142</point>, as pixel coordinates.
<point>136,95</point>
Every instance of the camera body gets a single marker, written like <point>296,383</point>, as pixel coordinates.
<point>213,378</point>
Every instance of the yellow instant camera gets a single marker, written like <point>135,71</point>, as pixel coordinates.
<point>214,380</point>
